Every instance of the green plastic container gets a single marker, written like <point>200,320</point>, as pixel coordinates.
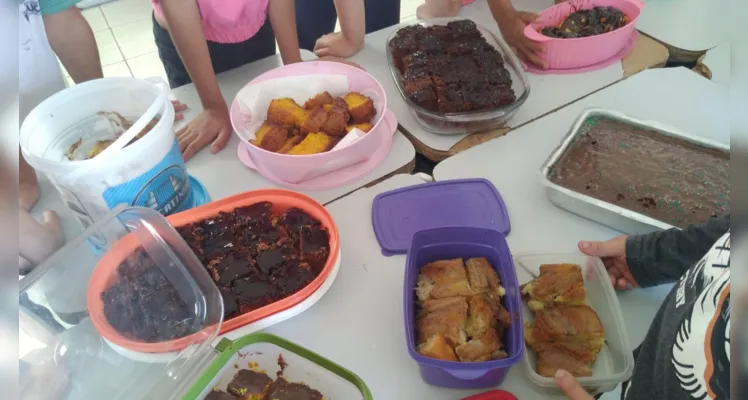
<point>261,352</point>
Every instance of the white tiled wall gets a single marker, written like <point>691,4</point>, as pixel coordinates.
<point>124,35</point>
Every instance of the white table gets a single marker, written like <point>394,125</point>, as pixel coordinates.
<point>547,92</point>
<point>224,175</point>
<point>718,62</point>
<point>676,97</point>
<point>690,25</point>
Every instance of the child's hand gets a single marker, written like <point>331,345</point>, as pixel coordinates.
<point>336,45</point>
<point>512,26</point>
<point>569,385</point>
<point>613,254</point>
<point>212,125</point>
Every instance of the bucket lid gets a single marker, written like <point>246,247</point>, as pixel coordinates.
<point>79,344</point>
<point>398,214</point>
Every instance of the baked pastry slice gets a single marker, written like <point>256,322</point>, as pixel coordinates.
<point>556,284</point>
<point>437,347</point>
<point>482,276</point>
<point>484,348</point>
<point>578,324</point>
<point>219,395</point>
<point>446,317</point>
<point>481,316</point>
<point>573,357</point>
<point>440,279</point>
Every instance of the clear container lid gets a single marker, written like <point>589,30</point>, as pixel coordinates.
<point>134,321</point>
<point>615,362</point>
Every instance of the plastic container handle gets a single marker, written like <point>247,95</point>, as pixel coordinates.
<point>465,375</point>
<point>139,125</point>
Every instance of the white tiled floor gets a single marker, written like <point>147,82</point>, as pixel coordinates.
<point>124,35</point>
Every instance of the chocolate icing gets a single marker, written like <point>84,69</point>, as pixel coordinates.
<point>668,179</point>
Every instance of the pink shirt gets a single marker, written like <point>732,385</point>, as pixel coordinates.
<point>227,21</point>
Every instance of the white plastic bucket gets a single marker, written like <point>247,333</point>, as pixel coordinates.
<point>148,173</point>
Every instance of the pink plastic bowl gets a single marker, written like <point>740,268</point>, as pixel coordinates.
<point>583,52</point>
<point>297,168</point>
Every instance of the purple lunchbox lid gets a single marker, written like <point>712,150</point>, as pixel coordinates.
<point>464,242</point>
<point>398,214</point>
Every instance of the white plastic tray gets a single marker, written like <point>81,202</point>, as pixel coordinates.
<point>615,362</point>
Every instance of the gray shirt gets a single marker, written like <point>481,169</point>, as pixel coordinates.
<point>686,353</point>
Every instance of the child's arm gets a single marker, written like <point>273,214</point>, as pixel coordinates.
<point>283,19</point>
<point>352,17</point>
<point>73,41</point>
<point>512,24</point>
<point>213,124</point>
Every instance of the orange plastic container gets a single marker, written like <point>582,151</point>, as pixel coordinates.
<point>104,274</point>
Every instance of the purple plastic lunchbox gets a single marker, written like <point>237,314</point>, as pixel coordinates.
<point>464,242</point>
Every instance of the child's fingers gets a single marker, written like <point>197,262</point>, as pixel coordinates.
<point>178,105</point>
<point>220,142</point>
<point>323,52</point>
<point>569,385</point>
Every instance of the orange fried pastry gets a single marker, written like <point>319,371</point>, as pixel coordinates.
<point>364,126</point>
<point>482,276</point>
<point>319,100</point>
<point>567,323</point>
<point>573,357</point>
<point>444,278</point>
<point>445,317</point>
<point>360,107</point>
<point>290,143</point>
<point>313,143</point>
<point>315,120</point>
<point>437,347</point>
<point>337,119</point>
<point>285,111</point>
<point>271,137</point>
<point>484,348</point>
<point>557,284</point>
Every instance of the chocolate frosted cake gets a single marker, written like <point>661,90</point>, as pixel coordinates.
<point>668,179</point>
<point>585,23</point>
<point>451,68</point>
<point>254,257</point>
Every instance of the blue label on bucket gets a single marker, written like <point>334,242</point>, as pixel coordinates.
<point>165,188</point>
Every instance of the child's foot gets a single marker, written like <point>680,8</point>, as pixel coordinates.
<point>42,245</point>
<point>28,194</point>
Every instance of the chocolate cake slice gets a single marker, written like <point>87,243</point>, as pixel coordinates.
<point>249,384</point>
<point>281,389</point>
<point>219,395</point>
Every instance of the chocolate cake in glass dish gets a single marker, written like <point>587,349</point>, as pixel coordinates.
<point>254,257</point>
<point>451,68</point>
<point>665,178</point>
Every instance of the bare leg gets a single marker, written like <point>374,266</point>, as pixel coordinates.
<point>38,241</point>
<point>28,185</point>
<point>73,41</point>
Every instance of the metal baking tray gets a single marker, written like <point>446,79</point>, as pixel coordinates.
<point>603,212</point>
<point>469,121</point>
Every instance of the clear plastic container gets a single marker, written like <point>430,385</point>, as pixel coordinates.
<point>470,121</point>
<point>262,352</point>
<point>60,360</point>
<point>615,363</point>
<point>435,244</point>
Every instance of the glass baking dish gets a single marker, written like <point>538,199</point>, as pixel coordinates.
<point>469,121</point>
